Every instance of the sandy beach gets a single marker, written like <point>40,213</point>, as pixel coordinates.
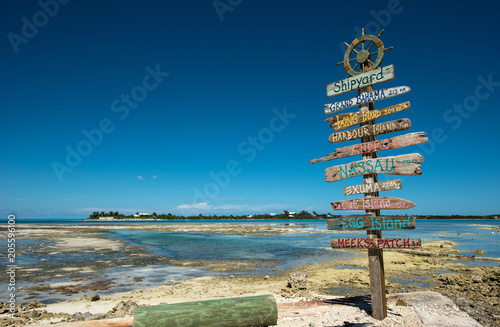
<point>322,302</point>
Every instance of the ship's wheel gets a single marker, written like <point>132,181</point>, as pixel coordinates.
<point>363,56</point>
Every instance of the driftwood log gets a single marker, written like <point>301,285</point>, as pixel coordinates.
<point>232,312</point>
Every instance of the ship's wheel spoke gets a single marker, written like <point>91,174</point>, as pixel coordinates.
<point>370,47</point>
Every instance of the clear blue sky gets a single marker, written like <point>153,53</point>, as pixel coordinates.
<point>157,98</point>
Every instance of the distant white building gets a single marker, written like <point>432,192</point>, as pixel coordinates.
<point>250,216</point>
<point>142,214</point>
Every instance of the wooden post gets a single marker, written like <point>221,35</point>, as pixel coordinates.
<point>371,164</point>
<point>375,256</point>
<point>244,311</point>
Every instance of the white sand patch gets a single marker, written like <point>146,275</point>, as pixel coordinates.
<point>82,243</point>
<point>65,284</point>
<point>70,269</point>
<point>30,269</point>
<point>39,231</point>
<point>81,306</point>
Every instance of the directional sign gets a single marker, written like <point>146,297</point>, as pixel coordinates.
<point>396,142</point>
<point>371,130</point>
<point>372,203</point>
<point>376,243</point>
<point>364,79</point>
<point>364,98</point>
<point>394,184</point>
<point>367,222</point>
<point>405,164</point>
<point>344,121</point>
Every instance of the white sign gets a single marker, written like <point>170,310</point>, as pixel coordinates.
<point>365,97</point>
<point>373,77</point>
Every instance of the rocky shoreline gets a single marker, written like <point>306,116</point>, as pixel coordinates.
<point>475,290</point>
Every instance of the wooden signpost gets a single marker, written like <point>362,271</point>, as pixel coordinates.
<point>371,165</point>
<point>396,142</point>
<point>365,97</point>
<point>344,121</point>
<point>371,130</point>
<point>405,164</point>
<point>394,184</point>
<point>378,243</point>
<point>373,77</point>
<point>373,203</point>
<point>370,222</point>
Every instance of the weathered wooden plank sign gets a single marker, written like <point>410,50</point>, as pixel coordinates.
<point>373,77</point>
<point>364,98</point>
<point>394,184</point>
<point>376,243</point>
<point>344,121</point>
<point>405,164</point>
<point>371,130</point>
<point>369,222</point>
<point>396,142</point>
<point>372,203</point>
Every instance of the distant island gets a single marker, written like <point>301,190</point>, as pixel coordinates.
<point>154,216</point>
<point>284,215</point>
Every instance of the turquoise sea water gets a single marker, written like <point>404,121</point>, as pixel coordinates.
<point>233,247</point>
<point>282,251</point>
<point>227,246</point>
